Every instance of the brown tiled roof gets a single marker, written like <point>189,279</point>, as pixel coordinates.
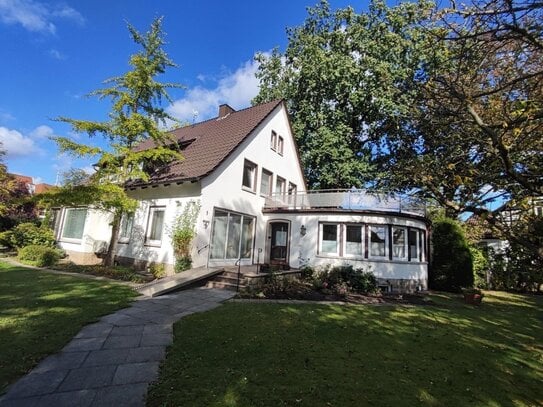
<point>213,141</point>
<point>41,188</point>
<point>22,178</point>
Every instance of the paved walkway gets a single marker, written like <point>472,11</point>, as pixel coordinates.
<point>112,362</point>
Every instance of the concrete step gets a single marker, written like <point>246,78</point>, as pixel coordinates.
<point>228,279</point>
<point>223,285</point>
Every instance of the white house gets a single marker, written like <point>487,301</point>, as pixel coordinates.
<point>243,168</point>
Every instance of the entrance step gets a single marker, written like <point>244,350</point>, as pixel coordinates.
<point>223,285</point>
<point>177,281</point>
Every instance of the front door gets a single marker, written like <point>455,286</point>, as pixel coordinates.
<point>279,243</point>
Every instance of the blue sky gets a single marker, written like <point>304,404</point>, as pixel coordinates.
<point>55,52</point>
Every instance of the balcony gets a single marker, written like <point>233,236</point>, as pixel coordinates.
<point>346,200</point>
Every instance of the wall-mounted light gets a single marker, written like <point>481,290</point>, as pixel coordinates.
<point>206,223</point>
<point>303,230</point>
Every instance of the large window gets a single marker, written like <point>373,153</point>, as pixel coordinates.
<point>266,183</point>
<point>280,186</point>
<point>413,244</point>
<point>399,243</point>
<point>353,240</point>
<point>127,222</point>
<point>155,225</point>
<point>329,239</point>
<point>232,236</point>
<point>378,235</point>
<point>74,223</point>
<point>249,175</point>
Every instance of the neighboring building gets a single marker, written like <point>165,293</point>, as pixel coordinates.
<point>243,168</point>
<point>28,183</point>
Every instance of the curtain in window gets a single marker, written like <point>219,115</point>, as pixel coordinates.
<point>377,240</point>
<point>218,239</point>
<point>353,244</point>
<point>398,243</point>
<point>157,222</point>
<point>74,223</point>
<point>329,238</point>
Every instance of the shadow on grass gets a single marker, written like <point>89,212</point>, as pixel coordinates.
<point>310,355</point>
<point>40,313</point>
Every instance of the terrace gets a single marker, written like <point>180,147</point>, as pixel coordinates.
<point>345,200</point>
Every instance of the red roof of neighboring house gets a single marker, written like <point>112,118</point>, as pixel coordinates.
<point>41,188</point>
<point>22,178</point>
<point>208,143</point>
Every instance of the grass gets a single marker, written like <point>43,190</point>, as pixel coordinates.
<point>451,354</point>
<point>41,312</point>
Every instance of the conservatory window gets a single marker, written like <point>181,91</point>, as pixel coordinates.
<point>378,236</point>
<point>399,243</point>
<point>329,241</point>
<point>74,223</point>
<point>353,240</point>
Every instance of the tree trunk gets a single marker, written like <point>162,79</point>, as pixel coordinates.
<point>115,229</point>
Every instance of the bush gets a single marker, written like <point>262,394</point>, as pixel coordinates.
<point>40,256</point>
<point>5,239</point>
<point>452,264</point>
<point>158,270</point>
<point>342,278</point>
<point>183,263</point>
<point>26,234</point>
<point>480,267</point>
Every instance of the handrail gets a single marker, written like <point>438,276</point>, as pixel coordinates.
<point>238,263</point>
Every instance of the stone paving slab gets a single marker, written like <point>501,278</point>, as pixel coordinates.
<point>112,362</point>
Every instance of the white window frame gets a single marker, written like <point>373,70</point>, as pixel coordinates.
<point>64,218</point>
<point>243,216</point>
<point>280,145</point>
<point>405,245</point>
<point>417,257</point>
<point>270,186</point>
<point>362,228</point>
<point>338,239</point>
<point>254,176</point>
<point>273,140</point>
<point>387,237</point>
<point>283,181</point>
<point>124,219</point>
<point>148,240</point>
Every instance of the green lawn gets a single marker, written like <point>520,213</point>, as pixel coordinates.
<point>41,312</point>
<point>246,354</point>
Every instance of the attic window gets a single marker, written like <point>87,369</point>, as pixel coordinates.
<point>249,176</point>
<point>273,141</point>
<point>280,144</point>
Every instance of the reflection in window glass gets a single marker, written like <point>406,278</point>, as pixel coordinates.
<point>74,223</point>
<point>398,243</point>
<point>329,239</point>
<point>232,235</point>
<point>353,237</point>
<point>413,245</point>
<point>156,225</point>
<point>377,241</point>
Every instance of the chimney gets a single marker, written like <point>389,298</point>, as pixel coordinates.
<point>225,110</point>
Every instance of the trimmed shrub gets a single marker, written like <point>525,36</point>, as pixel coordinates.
<point>158,270</point>
<point>341,278</point>
<point>26,234</point>
<point>480,267</point>
<point>40,256</point>
<point>452,264</point>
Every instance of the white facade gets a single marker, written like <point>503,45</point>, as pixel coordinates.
<point>233,224</point>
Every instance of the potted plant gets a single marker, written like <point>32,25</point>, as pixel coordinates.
<point>472,296</point>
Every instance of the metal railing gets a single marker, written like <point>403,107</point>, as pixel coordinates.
<point>347,199</point>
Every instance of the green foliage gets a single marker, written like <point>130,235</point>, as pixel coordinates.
<point>182,234</point>
<point>343,279</point>
<point>26,234</point>
<point>158,270</point>
<point>39,256</point>
<point>136,115</point>
<point>480,267</point>
<point>452,263</point>
<point>346,78</point>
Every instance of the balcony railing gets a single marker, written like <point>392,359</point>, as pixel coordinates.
<point>347,199</point>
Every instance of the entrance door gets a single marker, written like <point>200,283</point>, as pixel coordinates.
<point>279,243</point>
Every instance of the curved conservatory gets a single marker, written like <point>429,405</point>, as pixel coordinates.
<point>385,235</point>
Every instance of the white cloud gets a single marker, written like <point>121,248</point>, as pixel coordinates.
<point>56,54</point>
<point>237,89</point>
<point>16,144</point>
<point>6,116</point>
<point>42,132</point>
<point>35,16</point>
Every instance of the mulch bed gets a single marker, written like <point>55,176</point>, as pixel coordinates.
<point>352,298</point>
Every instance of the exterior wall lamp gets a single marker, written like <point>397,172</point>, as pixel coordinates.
<point>206,223</point>
<point>303,230</point>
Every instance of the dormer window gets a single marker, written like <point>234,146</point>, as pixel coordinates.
<point>273,141</point>
<point>249,176</point>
